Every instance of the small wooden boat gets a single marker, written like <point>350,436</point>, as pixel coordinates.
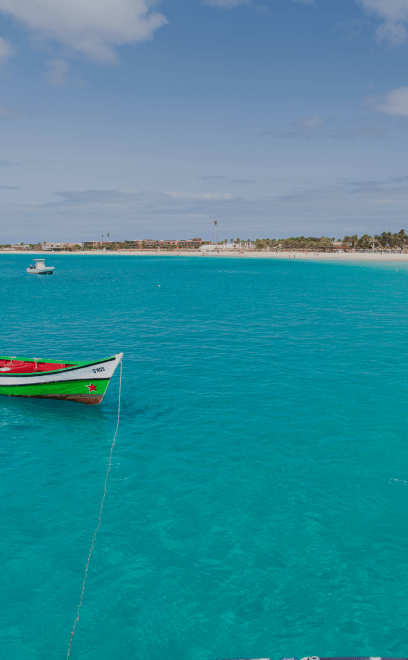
<point>35,378</point>
<point>40,268</point>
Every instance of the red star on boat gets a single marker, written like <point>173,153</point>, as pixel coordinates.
<point>91,388</point>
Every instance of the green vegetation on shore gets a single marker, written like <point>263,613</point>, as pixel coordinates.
<point>386,240</point>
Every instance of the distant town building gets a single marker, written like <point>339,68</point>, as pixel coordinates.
<point>190,243</point>
<point>71,247</point>
<point>60,247</point>
<point>133,245</point>
<point>91,244</point>
<point>168,243</point>
<point>220,247</point>
<point>147,243</point>
<point>52,246</point>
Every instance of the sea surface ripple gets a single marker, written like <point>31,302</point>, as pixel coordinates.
<point>257,502</point>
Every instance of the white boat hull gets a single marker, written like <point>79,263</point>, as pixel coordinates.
<point>43,271</point>
<point>98,370</point>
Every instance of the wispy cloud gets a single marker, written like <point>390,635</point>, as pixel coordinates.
<point>397,186</point>
<point>92,27</point>
<point>352,28</point>
<point>6,50</point>
<point>261,9</point>
<point>57,72</point>
<point>304,128</point>
<point>213,197</point>
<point>9,187</point>
<point>112,197</point>
<point>348,206</point>
<point>348,131</point>
<point>226,4</point>
<point>394,14</point>
<point>216,178</point>
<point>310,128</point>
<point>5,111</point>
<point>392,103</point>
<point>310,122</point>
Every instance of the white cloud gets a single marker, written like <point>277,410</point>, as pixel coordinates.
<point>6,50</point>
<point>393,103</point>
<point>394,13</point>
<point>92,27</point>
<point>58,70</point>
<point>392,10</point>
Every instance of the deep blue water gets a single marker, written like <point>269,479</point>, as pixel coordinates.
<point>257,502</point>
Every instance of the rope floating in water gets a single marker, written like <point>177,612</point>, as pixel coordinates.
<point>99,518</point>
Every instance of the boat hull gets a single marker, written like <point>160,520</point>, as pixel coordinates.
<point>69,391</point>
<point>82,384</point>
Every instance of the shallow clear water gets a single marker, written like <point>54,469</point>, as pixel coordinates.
<point>257,503</point>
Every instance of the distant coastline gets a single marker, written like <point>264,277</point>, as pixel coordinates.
<point>224,254</point>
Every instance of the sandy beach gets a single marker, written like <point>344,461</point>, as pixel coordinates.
<point>326,256</point>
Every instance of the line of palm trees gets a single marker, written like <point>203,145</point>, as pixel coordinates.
<point>238,242</point>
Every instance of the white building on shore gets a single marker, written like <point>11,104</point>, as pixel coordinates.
<point>220,247</point>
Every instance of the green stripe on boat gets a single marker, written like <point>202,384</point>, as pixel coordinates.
<point>78,387</point>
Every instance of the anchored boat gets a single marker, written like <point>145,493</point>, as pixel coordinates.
<point>40,268</point>
<point>35,378</point>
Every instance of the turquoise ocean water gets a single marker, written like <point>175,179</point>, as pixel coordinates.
<point>257,502</point>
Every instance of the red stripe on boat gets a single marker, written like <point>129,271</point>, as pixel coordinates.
<point>17,366</point>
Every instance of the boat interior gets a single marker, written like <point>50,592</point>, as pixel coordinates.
<point>11,366</point>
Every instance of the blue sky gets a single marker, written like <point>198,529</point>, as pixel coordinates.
<point>151,120</point>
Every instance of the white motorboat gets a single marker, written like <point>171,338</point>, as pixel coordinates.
<point>40,268</point>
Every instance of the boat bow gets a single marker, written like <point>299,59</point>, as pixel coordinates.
<point>83,382</point>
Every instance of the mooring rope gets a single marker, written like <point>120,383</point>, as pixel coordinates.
<point>99,518</point>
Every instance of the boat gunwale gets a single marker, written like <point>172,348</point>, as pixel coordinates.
<point>35,374</point>
<point>50,382</point>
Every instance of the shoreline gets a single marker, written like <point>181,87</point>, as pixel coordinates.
<point>318,256</point>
